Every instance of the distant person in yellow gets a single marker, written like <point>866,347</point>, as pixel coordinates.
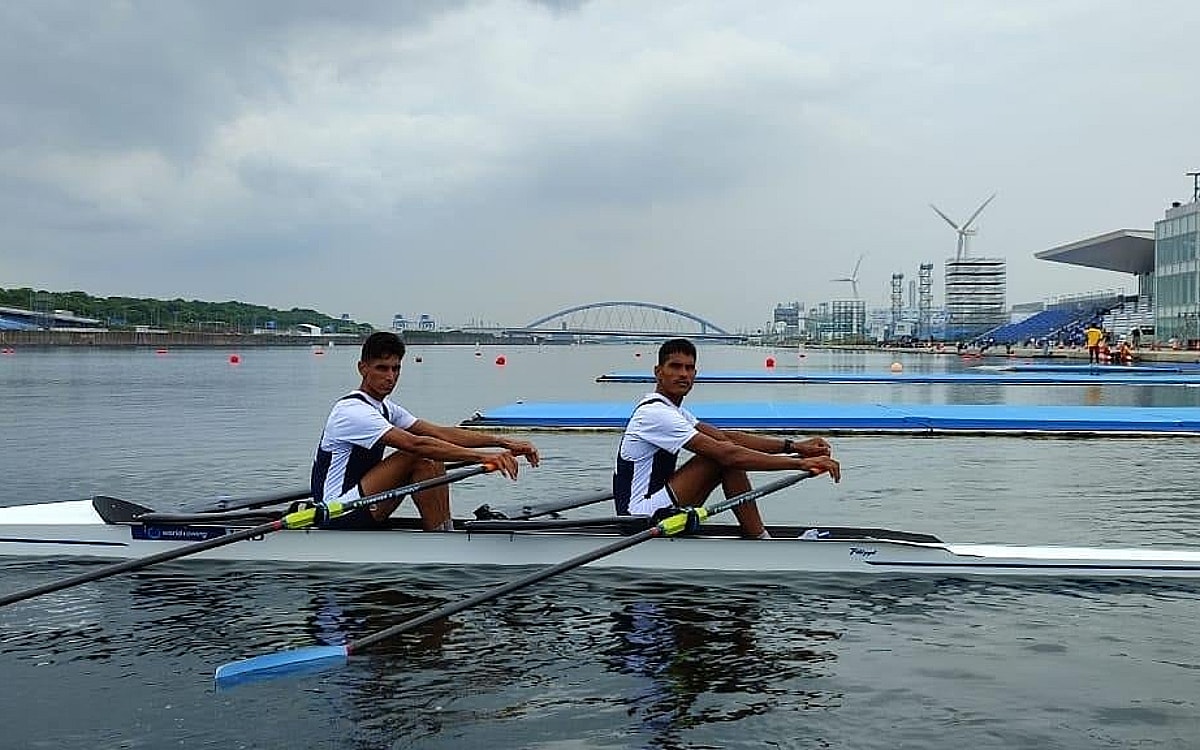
<point>1094,335</point>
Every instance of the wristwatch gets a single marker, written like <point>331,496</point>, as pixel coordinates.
<point>787,445</point>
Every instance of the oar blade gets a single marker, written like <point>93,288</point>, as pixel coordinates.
<point>269,666</point>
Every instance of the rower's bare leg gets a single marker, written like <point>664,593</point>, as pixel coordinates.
<point>734,482</point>
<point>433,503</point>
<point>695,481</point>
<point>400,469</point>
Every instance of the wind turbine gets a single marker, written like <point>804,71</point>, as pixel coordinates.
<point>853,278</point>
<point>965,231</point>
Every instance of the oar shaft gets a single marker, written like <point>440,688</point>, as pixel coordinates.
<point>670,526</point>
<point>262,666</point>
<point>278,498</point>
<point>297,520</point>
<point>499,591</point>
<point>141,562</point>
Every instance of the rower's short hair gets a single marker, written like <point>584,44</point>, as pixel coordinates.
<point>675,346</point>
<point>382,344</point>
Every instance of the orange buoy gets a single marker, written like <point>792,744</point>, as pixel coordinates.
<point>235,359</point>
<point>770,362</point>
<point>501,360</point>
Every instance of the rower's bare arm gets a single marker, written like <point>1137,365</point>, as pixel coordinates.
<point>436,449</point>
<point>475,439</point>
<point>730,454</point>
<point>806,448</point>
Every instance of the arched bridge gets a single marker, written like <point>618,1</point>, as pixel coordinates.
<point>638,317</point>
<point>614,320</point>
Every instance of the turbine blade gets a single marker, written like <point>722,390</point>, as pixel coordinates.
<point>854,275</point>
<point>944,216</point>
<point>978,211</point>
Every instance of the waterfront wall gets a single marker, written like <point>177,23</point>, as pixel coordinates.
<point>185,339</point>
<point>174,339</point>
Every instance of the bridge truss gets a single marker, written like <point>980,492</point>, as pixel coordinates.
<point>627,319</point>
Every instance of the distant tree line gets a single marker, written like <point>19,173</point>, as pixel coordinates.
<point>175,314</point>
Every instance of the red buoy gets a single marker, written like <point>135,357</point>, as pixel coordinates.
<point>501,360</point>
<point>770,362</point>
<point>160,351</point>
<point>235,359</point>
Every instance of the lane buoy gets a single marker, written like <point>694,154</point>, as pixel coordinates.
<point>160,351</point>
<point>897,367</point>
<point>417,358</point>
<point>501,360</point>
<point>770,362</point>
<point>235,359</point>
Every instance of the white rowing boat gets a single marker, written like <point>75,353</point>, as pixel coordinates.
<point>106,528</point>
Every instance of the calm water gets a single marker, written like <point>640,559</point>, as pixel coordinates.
<point>592,659</point>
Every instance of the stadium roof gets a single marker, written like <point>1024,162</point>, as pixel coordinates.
<point>1128,250</point>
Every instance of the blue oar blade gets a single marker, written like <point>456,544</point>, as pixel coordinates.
<point>280,663</point>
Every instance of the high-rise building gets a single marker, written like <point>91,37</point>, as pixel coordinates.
<point>975,296</point>
<point>787,318</point>
<point>1176,281</point>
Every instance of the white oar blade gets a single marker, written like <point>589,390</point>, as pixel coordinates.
<point>280,663</point>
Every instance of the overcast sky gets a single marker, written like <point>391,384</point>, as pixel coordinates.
<point>503,160</point>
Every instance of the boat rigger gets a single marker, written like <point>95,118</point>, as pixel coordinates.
<point>826,418</point>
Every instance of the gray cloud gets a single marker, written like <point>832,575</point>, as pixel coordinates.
<point>505,159</point>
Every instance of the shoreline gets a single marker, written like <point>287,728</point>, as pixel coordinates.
<point>185,339</point>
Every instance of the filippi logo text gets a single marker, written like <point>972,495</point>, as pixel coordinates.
<point>861,552</point>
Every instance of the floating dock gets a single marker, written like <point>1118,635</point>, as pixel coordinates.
<point>865,418</point>
<point>1015,375</point>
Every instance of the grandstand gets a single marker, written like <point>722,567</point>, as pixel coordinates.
<point>1064,320</point>
<point>18,319</point>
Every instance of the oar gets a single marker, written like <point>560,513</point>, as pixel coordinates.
<point>283,662</point>
<point>278,498</point>
<point>298,520</point>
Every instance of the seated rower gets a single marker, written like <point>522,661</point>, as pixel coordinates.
<point>646,480</point>
<point>349,461</point>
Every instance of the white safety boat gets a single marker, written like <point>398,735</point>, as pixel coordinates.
<point>110,528</point>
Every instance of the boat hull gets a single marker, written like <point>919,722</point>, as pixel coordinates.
<point>74,529</point>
